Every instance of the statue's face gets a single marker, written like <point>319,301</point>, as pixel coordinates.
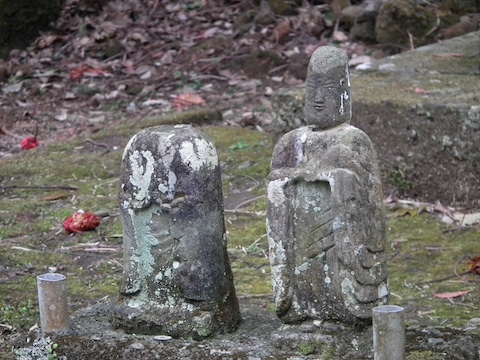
<point>327,100</point>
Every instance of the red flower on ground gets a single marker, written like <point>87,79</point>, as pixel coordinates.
<point>81,221</point>
<point>29,142</point>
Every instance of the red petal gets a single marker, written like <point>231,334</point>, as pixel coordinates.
<point>81,221</point>
<point>29,143</point>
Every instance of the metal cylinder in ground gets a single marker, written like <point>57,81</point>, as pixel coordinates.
<point>52,300</point>
<point>388,332</point>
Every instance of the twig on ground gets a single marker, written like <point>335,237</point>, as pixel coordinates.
<point>39,187</point>
<point>94,143</point>
<point>441,279</point>
<point>246,202</point>
<point>7,132</point>
<point>246,213</point>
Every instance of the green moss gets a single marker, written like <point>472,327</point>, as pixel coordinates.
<point>424,259</point>
<point>306,348</point>
<point>22,314</point>
<point>328,353</point>
<point>397,179</point>
<point>423,355</point>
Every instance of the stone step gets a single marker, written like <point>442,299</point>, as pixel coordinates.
<point>422,111</point>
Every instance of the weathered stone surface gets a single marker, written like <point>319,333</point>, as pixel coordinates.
<point>421,110</point>
<point>259,336</point>
<point>325,218</point>
<point>176,278</point>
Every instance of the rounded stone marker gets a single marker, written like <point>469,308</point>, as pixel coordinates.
<point>176,276</point>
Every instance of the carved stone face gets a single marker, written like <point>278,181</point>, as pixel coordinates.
<point>327,100</point>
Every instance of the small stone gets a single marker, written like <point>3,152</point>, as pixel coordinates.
<point>137,346</point>
<point>162,337</point>
<point>435,341</point>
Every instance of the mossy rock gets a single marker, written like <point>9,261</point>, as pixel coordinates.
<point>398,19</point>
<point>21,21</point>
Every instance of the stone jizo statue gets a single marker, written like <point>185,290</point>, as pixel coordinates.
<point>325,216</point>
<point>176,278</point>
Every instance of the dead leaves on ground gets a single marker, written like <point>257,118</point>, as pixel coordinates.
<point>449,215</point>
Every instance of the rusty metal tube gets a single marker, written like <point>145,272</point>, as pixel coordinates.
<point>52,301</point>
<point>388,332</point>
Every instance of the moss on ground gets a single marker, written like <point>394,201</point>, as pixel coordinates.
<point>422,250</point>
<point>428,258</point>
<point>422,355</point>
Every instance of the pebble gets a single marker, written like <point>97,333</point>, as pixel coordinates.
<point>137,345</point>
<point>162,337</point>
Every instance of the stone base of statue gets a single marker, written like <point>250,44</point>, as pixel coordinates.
<point>196,321</point>
<point>330,340</point>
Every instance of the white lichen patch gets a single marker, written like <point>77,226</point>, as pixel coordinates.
<point>141,173</point>
<point>358,250</point>
<point>348,292</point>
<point>337,224</point>
<point>327,280</point>
<point>139,300</point>
<point>198,154</point>
<point>383,290</point>
<point>327,176</point>
<point>302,268</point>
<point>347,74</point>
<point>355,344</point>
<point>299,148</point>
<point>275,193</point>
<point>128,146</point>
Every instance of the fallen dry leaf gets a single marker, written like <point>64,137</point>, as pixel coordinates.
<point>420,91</point>
<point>186,100</point>
<point>281,31</point>
<point>339,36</point>
<point>451,295</point>
<point>54,197</point>
<point>467,219</point>
<point>447,55</point>
<point>473,265</point>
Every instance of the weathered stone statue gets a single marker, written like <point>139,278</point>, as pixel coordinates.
<point>325,217</point>
<point>176,277</point>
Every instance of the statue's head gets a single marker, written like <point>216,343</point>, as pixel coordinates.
<point>327,99</point>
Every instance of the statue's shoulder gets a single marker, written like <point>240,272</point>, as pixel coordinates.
<point>289,148</point>
<point>353,136</point>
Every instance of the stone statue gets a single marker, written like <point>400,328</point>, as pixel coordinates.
<point>325,216</point>
<point>177,278</point>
